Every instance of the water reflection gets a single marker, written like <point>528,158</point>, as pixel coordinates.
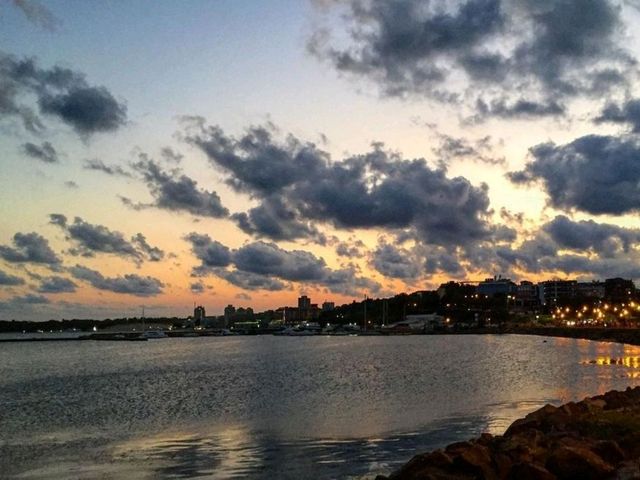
<point>269,407</point>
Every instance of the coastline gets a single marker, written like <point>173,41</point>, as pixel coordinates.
<point>630,336</point>
<point>596,438</point>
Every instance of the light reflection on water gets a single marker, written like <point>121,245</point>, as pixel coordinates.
<point>269,407</point>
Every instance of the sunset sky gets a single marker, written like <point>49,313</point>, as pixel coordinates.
<point>162,153</point>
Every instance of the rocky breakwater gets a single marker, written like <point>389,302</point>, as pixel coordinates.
<point>597,438</point>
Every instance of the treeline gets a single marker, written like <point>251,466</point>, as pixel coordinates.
<point>84,325</point>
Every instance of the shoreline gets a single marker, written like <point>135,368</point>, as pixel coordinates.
<point>596,438</point>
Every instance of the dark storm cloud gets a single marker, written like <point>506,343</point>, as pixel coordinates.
<point>91,239</point>
<point>628,113</point>
<point>130,284</point>
<point>175,192</point>
<point>38,14</point>
<point>375,190</point>
<point>56,285</point>
<point>595,174</point>
<point>395,262</point>
<point>553,48</point>
<point>100,166</point>
<point>29,248</point>
<point>59,92</point>
<point>262,265</point>
<point>44,152</point>
<point>10,280</point>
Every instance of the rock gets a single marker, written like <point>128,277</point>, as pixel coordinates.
<point>476,460</point>
<point>578,463</point>
<point>597,438</point>
<point>529,471</point>
<point>598,403</point>
<point>609,451</point>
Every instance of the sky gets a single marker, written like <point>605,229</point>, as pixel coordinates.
<point>165,154</point>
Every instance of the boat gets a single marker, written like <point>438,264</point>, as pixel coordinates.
<point>150,334</point>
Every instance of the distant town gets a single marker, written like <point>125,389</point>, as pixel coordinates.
<point>456,306</point>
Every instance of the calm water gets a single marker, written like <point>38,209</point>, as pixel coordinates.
<point>276,407</point>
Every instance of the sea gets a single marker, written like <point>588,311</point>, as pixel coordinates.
<point>267,407</point>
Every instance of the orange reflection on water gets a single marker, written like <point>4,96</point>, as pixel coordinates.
<point>629,362</point>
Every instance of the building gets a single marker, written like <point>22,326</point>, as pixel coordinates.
<point>328,306</point>
<point>527,297</point>
<point>497,286</point>
<point>229,311</point>
<point>557,292</point>
<point>304,302</point>
<point>199,316</point>
<point>304,312</point>
<point>591,290</point>
<point>619,290</point>
<point>418,323</point>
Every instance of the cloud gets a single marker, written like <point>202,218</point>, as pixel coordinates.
<point>24,300</point>
<point>154,254</point>
<point>276,220</point>
<point>87,109</point>
<point>100,166</point>
<point>130,284</point>
<point>211,253</point>
<point>266,266</point>
<point>297,184</point>
<point>585,247</point>
<point>351,249</point>
<point>197,287</point>
<point>484,49</point>
<point>170,155</point>
<point>395,262</point>
<point>178,192</point>
<point>518,108</point>
<point>56,285</point>
<point>29,248</point>
<point>602,238</point>
<point>454,148</point>
<point>10,280</point>
<point>71,184</point>
<point>44,152</point>
<point>595,174</point>
<point>60,93</point>
<point>268,259</point>
<point>627,113</point>
<point>251,281</point>
<point>38,14</point>
<point>90,239</point>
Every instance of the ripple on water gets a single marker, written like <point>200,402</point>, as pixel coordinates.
<point>269,407</point>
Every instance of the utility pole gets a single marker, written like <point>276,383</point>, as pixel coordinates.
<point>365,313</point>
